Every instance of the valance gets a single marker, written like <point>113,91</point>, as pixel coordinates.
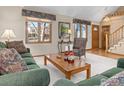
<point>75,20</point>
<point>35,14</point>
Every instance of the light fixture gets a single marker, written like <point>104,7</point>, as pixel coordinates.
<point>8,34</point>
<point>95,29</point>
<point>106,19</point>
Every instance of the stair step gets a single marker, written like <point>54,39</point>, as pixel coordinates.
<point>112,48</point>
<point>116,45</point>
<point>121,42</point>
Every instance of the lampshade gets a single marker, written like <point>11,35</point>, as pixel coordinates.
<point>69,31</point>
<point>8,34</point>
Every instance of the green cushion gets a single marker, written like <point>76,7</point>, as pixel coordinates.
<point>26,55</point>
<point>34,77</point>
<point>33,66</point>
<point>64,82</point>
<point>120,63</point>
<point>29,60</point>
<point>2,45</point>
<point>93,81</point>
<point>112,72</point>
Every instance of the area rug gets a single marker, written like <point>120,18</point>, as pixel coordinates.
<point>98,63</point>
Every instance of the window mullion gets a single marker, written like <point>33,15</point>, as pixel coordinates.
<point>80,30</point>
<point>39,32</point>
<point>86,31</point>
<point>44,31</point>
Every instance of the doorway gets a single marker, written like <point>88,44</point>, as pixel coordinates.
<point>105,30</point>
<point>95,36</point>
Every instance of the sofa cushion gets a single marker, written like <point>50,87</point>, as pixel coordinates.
<point>26,55</point>
<point>33,66</point>
<point>93,81</point>
<point>29,60</point>
<point>18,45</point>
<point>2,45</point>
<point>120,63</point>
<point>116,80</point>
<point>112,72</point>
<point>64,82</point>
<point>11,61</point>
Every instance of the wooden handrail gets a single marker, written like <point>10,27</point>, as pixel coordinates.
<point>117,30</point>
<point>116,36</point>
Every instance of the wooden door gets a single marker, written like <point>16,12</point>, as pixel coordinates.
<point>95,36</point>
<point>105,30</point>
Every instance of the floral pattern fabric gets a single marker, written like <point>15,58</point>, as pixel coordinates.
<point>116,80</point>
<point>18,45</point>
<point>11,61</point>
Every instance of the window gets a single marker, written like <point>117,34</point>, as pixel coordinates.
<point>80,30</point>
<point>38,31</point>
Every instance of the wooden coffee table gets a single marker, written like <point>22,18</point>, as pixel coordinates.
<point>66,68</point>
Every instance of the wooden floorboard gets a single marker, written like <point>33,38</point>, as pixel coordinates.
<point>102,52</point>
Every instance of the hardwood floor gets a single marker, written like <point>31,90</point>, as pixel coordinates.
<point>102,52</point>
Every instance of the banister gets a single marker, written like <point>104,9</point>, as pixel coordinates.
<point>116,36</point>
<point>117,30</point>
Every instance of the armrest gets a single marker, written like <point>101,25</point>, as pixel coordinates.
<point>120,63</point>
<point>64,82</point>
<point>28,49</point>
<point>34,77</point>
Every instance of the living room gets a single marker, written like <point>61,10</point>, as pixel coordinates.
<point>61,47</point>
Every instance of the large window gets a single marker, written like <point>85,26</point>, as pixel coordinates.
<point>80,30</point>
<point>38,31</point>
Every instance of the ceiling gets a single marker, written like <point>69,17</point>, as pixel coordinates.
<point>92,13</point>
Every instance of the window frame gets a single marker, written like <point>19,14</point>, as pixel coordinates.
<point>39,41</point>
<point>75,33</point>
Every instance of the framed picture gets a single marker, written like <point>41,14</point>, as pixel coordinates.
<point>63,28</point>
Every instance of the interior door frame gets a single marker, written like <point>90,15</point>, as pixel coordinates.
<point>98,33</point>
<point>102,35</point>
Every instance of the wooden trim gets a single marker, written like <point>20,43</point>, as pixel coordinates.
<point>89,49</point>
<point>38,42</point>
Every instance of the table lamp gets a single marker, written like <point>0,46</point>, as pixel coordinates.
<point>8,34</point>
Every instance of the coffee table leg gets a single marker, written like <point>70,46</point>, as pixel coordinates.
<point>68,75</point>
<point>88,72</point>
<point>45,60</point>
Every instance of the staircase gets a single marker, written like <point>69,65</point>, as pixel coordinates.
<point>116,41</point>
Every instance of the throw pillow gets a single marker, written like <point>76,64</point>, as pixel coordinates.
<point>11,61</point>
<point>18,45</point>
<point>116,80</point>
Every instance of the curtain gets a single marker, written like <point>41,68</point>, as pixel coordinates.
<point>30,13</point>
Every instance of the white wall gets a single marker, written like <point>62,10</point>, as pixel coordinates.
<point>10,17</point>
